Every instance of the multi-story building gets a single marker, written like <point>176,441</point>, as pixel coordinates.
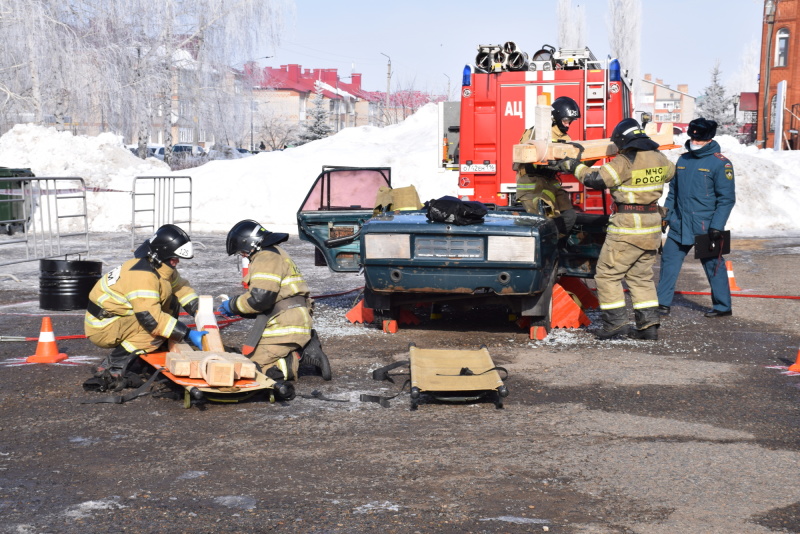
<point>665,103</point>
<point>289,91</point>
<point>779,43</point>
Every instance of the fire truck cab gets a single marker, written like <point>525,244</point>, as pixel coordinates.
<point>498,99</point>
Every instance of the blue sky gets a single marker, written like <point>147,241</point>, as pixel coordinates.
<point>431,41</point>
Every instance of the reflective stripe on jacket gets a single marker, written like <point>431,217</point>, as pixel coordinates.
<point>137,288</point>
<point>634,177</point>
<point>272,272</point>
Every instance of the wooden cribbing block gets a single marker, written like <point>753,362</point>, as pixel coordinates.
<point>537,151</point>
<point>177,364</point>
<point>188,363</point>
<point>219,373</point>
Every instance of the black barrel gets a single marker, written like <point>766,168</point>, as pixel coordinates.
<point>65,285</point>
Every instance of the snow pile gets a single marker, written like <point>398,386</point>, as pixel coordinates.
<point>103,162</point>
<point>767,198</point>
<point>270,186</point>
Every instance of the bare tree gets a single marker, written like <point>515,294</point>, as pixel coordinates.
<point>624,36</point>
<point>405,101</point>
<point>276,131</point>
<point>122,62</point>
<point>746,77</point>
<point>571,25</point>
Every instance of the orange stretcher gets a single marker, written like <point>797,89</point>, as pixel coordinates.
<point>198,389</point>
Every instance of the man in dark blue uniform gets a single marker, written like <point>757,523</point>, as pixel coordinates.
<point>700,200</point>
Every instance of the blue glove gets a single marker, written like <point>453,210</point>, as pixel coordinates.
<point>196,338</point>
<point>225,309</point>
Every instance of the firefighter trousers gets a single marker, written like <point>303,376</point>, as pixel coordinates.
<point>620,261</point>
<point>285,356</point>
<point>124,332</point>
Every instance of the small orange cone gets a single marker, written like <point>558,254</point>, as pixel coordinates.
<point>795,368</point>
<point>46,350</point>
<point>731,278</point>
<point>538,333</point>
<point>390,326</point>
<point>245,270</point>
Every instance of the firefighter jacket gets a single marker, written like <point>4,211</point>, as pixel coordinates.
<point>636,181</point>
<point>274,277</point>
<point>536,180</point>
<point>702,194</point>
<point>138,289</point>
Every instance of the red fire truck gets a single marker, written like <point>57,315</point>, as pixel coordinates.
<point>497,105</point>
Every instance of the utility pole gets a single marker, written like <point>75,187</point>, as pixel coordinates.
<point>769,18</point>
<point>388,88</point>
<point>253,103</point>
<point>448,87</point>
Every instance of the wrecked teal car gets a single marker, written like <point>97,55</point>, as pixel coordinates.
<point>512,258</point>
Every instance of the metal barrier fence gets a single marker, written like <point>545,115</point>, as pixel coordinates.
<point>48,213</point>
<point>167,200</point>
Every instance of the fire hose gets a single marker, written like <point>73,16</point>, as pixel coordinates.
<point>222,323</point>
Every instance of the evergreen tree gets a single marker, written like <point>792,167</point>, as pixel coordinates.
<point>317,127</point>
<point>714,105</point>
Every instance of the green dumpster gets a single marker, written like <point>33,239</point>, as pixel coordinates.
<point>13,211</point>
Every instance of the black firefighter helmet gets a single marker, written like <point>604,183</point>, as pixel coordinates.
<point>564,108</point>
<point>249,236</point>
<point>629,134</point>
<point>169,241</point>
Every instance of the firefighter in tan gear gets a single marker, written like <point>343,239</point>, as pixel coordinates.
<point>636,179</point>
<point>134,308</point>
<point>282,337</point>
<point>541,183</point>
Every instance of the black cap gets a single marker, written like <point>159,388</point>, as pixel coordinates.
<point>702,129</point>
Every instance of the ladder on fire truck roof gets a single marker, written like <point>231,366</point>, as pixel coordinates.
<point>596,91</point>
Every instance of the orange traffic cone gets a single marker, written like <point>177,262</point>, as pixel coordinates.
<point>538,333</point>
<point>795,368</point>
<point>46,350</point>
<point>245,264</point>
<point>731,278</point>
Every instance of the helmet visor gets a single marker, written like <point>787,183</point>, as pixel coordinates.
<point>185,251</point>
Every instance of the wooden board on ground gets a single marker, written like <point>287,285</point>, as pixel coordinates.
<point>541,151</point>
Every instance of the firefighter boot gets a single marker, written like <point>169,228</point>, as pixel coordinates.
<point>615,323</point>
<point>117,362</point>
<point>113,373</point>
<point>313,355</point>
<point>282,369</point>
<point>647,323</point>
